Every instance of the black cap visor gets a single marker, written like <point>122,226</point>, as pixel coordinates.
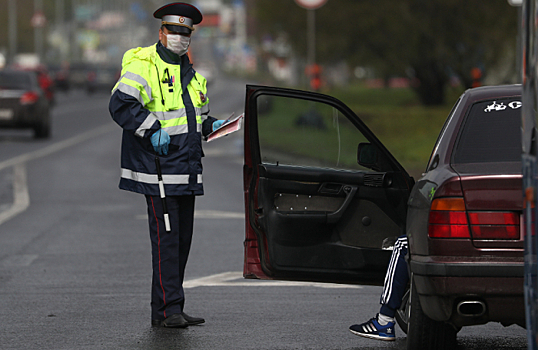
<point>177,29</point>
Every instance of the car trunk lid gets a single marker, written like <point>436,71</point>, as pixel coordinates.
<point>494,202</point>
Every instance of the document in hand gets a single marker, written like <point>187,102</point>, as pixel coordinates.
<point>229,126</point>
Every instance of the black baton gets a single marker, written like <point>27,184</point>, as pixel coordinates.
<point>163,195</point>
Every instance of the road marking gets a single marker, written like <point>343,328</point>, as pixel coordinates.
<point>216,214</point>
<point>21,198</point>
<point>58,146</point>
<point>208,214</point>
<point>235,279</point>
<point>18,260</point>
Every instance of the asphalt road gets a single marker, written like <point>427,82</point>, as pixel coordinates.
<point>75,266</point>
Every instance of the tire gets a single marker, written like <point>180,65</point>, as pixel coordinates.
<point>402,314</point>
<point>423,332</point>
<point>42,128</point>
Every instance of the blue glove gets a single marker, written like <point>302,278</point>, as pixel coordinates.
<point>160,141</point>
<point>217,124</point>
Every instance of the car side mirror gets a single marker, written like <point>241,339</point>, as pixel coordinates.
<point>367,155</point>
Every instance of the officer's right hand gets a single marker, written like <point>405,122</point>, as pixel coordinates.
<point>160,141</point>
<point>217,124</point>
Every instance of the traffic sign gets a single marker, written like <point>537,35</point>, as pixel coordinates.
<point>311,4</point>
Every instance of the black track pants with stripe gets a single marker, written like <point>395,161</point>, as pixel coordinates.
<point>396,279</point>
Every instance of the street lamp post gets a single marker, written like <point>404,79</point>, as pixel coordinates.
<point>313,70</point>
<point>12,24</point>
<point>38,24</point>
<point>60,26</point>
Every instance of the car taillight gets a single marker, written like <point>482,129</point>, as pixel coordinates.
<point>494,225</point>
<point>29,98</point>
<point>449,219</point>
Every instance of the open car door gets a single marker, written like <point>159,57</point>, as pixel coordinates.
<point>324,199</point>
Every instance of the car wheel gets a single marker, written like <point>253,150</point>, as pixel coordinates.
<point>402,314</point>
<point>425,333</point>
<point>42,128</point>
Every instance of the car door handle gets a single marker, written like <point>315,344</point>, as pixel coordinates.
<point>336,215</point>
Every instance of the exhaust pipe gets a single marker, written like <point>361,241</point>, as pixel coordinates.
<point>471,308</point>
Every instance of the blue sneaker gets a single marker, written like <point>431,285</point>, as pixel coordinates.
<point>372,329</point>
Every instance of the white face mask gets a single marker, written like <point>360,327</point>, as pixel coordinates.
<point>178,44</point>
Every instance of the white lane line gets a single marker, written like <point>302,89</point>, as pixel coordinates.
<point>58,146</point>
<point>208,214</point>
<point>21,198</point>
<point>217,214</point>
<point>18,260</point>
<point>235,279</point>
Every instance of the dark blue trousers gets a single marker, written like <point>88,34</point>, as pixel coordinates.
<point>396,279</point>
<point>170,251</point>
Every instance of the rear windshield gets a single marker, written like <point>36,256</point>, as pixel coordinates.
<point>491,133</point>
<point>15,80</point>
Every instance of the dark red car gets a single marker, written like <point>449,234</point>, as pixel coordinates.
<point>325,201</point>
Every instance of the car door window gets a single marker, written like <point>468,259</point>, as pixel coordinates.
<point>306,133</point>
<point>313,212</point>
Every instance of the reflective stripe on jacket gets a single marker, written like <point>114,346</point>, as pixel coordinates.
<point>152,94</point>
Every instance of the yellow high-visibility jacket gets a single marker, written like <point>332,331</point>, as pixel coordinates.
<point>158,89</point>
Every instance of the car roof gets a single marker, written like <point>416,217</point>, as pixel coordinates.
<point>493,91</point>
<point>28,77</point>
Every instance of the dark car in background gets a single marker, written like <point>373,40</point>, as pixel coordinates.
<point>78,75</point>
<point>23,104</point>
<point>44,79</point>
<point>102,78</point>
<point>60,76</point>
<point>325,201</point>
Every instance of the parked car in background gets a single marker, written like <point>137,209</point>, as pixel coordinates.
<point>60,77</point>
<point>207,69</point>
<point>23,104</point>
<point>78,75</point>
<point>325,201</point>
<point>43,77</point>
<point>102,78</point>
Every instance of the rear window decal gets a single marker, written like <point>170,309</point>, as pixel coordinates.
<point>514,104</point>
<point>501,107</point>
<point>495,107</point>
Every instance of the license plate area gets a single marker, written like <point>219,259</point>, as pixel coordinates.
<point>6,114</point>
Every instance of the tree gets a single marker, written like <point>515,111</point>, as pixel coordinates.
<point>434,39</point>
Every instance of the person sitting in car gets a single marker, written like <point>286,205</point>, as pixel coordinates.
<point>381,327</point>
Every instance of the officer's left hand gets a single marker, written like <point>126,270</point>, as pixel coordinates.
<point>160,141</point>
<point>217,124</point>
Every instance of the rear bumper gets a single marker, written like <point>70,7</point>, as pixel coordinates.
<point>468,268</point>
<point>498,284</point>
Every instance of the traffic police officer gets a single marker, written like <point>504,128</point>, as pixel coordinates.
<point>161,103</point>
